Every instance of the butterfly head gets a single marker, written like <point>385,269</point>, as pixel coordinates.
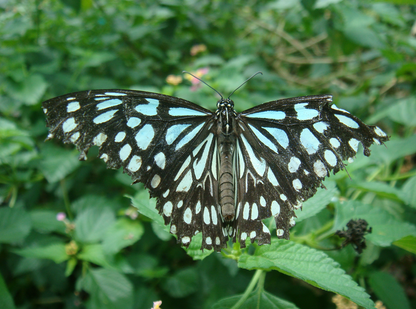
<point>225,104</point>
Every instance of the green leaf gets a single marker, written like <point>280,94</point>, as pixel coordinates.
<point>15,224</point>
<point>388,290</point>
<point>29,91</point>
<point>386,229</point>
<point>108,289</point>
<point>194,249</point>
<point>161,233</point>
<point>54,251</point>
<point>45,221</point>
<point>94,253</point>
<point>147,207</point>
<point>380,188</point>
<point>124,232</point>
<point>394,150</point>
<point>256,299</point>
<point>363,36</point>
<point>92,201</point>
<point>6,300</point>
<point>318,202</point>
<point>92,223</point>
<point>407,243</point>
<point>183,283</point>
<point>310,265</point>
<point>404,112</point>
<point>408,192</point>
<point>398,2</point>
<point>319,4</point>
<point>57,163</point>
<point>146,265</point>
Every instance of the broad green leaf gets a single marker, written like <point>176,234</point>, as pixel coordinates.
<point>318,202</point>
<point>108,289</point>
<point>92,223</point>
<point>209,60</point>
<point>124,232</point>
<point>407,243</point>
<point>194,249</point>
<point>146,265</point>
<point>256,299</point>
<point>388,290</point>
<point>91,201</point>
<point>404,112</point>
<point>29,91</point>
<point>91,58</point>
<point>394,150</point>
<point>310,265</point>
<point>45,221</point>
<point>54,251</point>
<point>408,192</point>
<point>161,233</point>
<point>57,163</point>
<point>319,4</point>
<point>94,253</point>
<point>147,207</point>
<point>363,36</point>
<point>183,283</point>
<point>6,300</point>
<point>386,229</point>
<point>15,224</point>
<point>380,188</point>
<point>70,266</point>
<point>398,2</point>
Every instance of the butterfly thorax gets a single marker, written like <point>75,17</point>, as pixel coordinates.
<point>227,144</point>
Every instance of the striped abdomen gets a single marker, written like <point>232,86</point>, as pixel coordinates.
<point>226,143</point>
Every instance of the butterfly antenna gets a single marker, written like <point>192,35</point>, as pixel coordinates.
<point>245,83</point>
<point>186,72</point>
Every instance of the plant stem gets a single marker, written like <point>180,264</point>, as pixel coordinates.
<point>66,199</point>
<point>250,288</point>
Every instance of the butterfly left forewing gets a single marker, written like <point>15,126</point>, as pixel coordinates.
<point>164,142</point>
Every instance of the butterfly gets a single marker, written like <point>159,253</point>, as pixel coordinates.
<point>217,173</point>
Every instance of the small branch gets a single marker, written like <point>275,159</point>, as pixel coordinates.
<point>249,289</point>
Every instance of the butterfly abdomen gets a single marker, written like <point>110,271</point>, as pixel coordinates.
<point>227,143</point>
<point>226,180</point>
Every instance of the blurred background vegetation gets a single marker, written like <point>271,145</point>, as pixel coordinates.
<point>69,235</point>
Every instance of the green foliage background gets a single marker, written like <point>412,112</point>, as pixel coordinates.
<point>107,255</point>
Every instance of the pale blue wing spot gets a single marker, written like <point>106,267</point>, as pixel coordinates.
<point>188,137</point>
<point>145,136</point>
<point>347,121</point>
<point>148,109</point>
<point>304,113</point>
<point>273,115</point>
<point>109,103</point>
<point>263,139</point>
<point>259,165</point>
<point>133,122</point>
<point>174,131</point>
<point>309,141</point>
<point>104,117</point>
<point>280,136</point>
<point>72,107</point>
<point>182,111</point>
<point>321,127</point>
<point>115,93</point>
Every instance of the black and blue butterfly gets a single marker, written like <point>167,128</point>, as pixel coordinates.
<point>217,173</point>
